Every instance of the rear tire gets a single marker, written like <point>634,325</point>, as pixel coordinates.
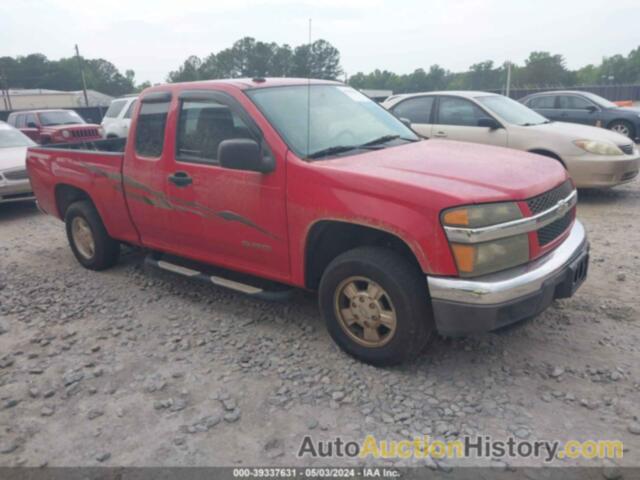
<point>375,305</point>
<point>89,240</point>
<point>624,128</point>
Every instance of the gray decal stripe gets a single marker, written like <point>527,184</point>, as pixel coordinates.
<point>160,200</point>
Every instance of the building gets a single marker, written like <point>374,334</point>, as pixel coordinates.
<point>32,99</point>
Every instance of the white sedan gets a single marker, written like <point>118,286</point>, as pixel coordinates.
<point>14,181</point>
<point>594,157</point>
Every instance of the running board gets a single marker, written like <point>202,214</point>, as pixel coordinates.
<point>246,284</point>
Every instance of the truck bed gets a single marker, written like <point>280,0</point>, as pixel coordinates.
<point>64,173</point>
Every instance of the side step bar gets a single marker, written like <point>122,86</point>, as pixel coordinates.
<point>246,284</point>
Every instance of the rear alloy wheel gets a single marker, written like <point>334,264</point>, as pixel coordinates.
<point>376,307</point>
<point>622,127</point>
<point>89,240</point>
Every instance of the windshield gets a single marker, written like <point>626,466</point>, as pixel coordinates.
<point>10,137</point>
<point>62,117</point>
<point>511,111</point>
<point>341,119</point>
<point>598,100</point>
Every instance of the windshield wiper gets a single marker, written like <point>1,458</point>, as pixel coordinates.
<point>332,151</point>
<point>385,139</point>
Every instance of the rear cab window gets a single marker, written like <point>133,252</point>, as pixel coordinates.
<point>151,123</point>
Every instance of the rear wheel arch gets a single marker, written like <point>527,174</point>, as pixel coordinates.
<point>68,194</point>
<point>328,239</point>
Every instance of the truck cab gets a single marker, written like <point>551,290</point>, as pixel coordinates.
<point>262,185</point>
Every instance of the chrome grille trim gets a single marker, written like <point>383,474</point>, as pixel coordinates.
<point>514,227</point>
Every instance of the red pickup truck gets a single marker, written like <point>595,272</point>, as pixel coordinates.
<point>261,185</point>
<point>54,126</point>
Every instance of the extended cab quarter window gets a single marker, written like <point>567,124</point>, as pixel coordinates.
<point>458,111</point>
<point>202,126</point>
<point>417,110</point>
<point>150,129</point>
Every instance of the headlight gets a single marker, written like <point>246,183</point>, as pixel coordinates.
<point>473,259</point>
<point>100,131</point>
<point>66,133</point>
<point>597,147</point>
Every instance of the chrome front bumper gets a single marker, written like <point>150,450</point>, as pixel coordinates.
<point>492,301</point>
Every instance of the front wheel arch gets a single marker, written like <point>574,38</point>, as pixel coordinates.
<point>548,153</point>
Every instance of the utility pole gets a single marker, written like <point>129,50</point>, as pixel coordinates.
<point>508,87</point>
<point>84,82</point>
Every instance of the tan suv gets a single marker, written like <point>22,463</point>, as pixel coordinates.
<point>594,157</point>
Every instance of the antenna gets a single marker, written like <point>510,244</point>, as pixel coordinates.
<point>309,92</point>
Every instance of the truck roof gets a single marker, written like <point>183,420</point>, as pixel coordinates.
<point>246,83</point>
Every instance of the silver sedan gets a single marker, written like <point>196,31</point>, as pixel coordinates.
<point>14,181</point>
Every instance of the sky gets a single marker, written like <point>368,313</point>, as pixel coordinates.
<point>153,37</point>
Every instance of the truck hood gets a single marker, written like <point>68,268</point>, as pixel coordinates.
<point>13,157</point>
<point>462,172</point>
<point>573,131</point>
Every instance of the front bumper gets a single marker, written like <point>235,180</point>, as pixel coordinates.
<point>15,190</point>
<point>462,306</point>
<point>590,171</point>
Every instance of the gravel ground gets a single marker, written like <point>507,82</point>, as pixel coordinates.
<point>135,367</point>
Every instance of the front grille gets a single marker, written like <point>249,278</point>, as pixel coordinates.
<point>549,199</point>
<point>85,132</point>
<point>16,175</point>
<point>627,149</point>
<point>552,231</point>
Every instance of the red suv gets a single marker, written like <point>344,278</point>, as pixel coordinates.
<point>54,126</point>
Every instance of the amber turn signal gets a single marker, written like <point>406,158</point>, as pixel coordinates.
<point>456,217</point>
<point>465,256</point>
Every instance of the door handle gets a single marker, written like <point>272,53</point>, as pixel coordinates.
<point>180,179</point>
<point>440,134</point>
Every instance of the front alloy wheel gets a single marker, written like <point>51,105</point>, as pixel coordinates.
<point>365,311</point>
<point>375,304</point>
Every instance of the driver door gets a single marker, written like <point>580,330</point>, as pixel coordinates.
<point>457,119</point>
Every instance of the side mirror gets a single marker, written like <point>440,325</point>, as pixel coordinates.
<point>405,121</point>
<point>489,123</point>
<point>244,154</point>
<point>592,108</point>
<point>31,125</point>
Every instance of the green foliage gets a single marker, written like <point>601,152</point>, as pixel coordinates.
<point>37,71</point>
<point>250,58</point>
<point>540,69</point>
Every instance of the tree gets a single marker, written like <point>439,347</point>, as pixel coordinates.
<point>542,69</point>
<point>318,60</point>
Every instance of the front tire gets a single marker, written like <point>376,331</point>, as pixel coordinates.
<point>375,305</point>
<point>623,127</point>
<point>88,239</point>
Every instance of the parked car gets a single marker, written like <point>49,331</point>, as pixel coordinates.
<point>593,156</point>
<point>116,120</point>
<point>54,126</point>
<point>586,108</point>
<point>14,181</point>
<point>225,182</point>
